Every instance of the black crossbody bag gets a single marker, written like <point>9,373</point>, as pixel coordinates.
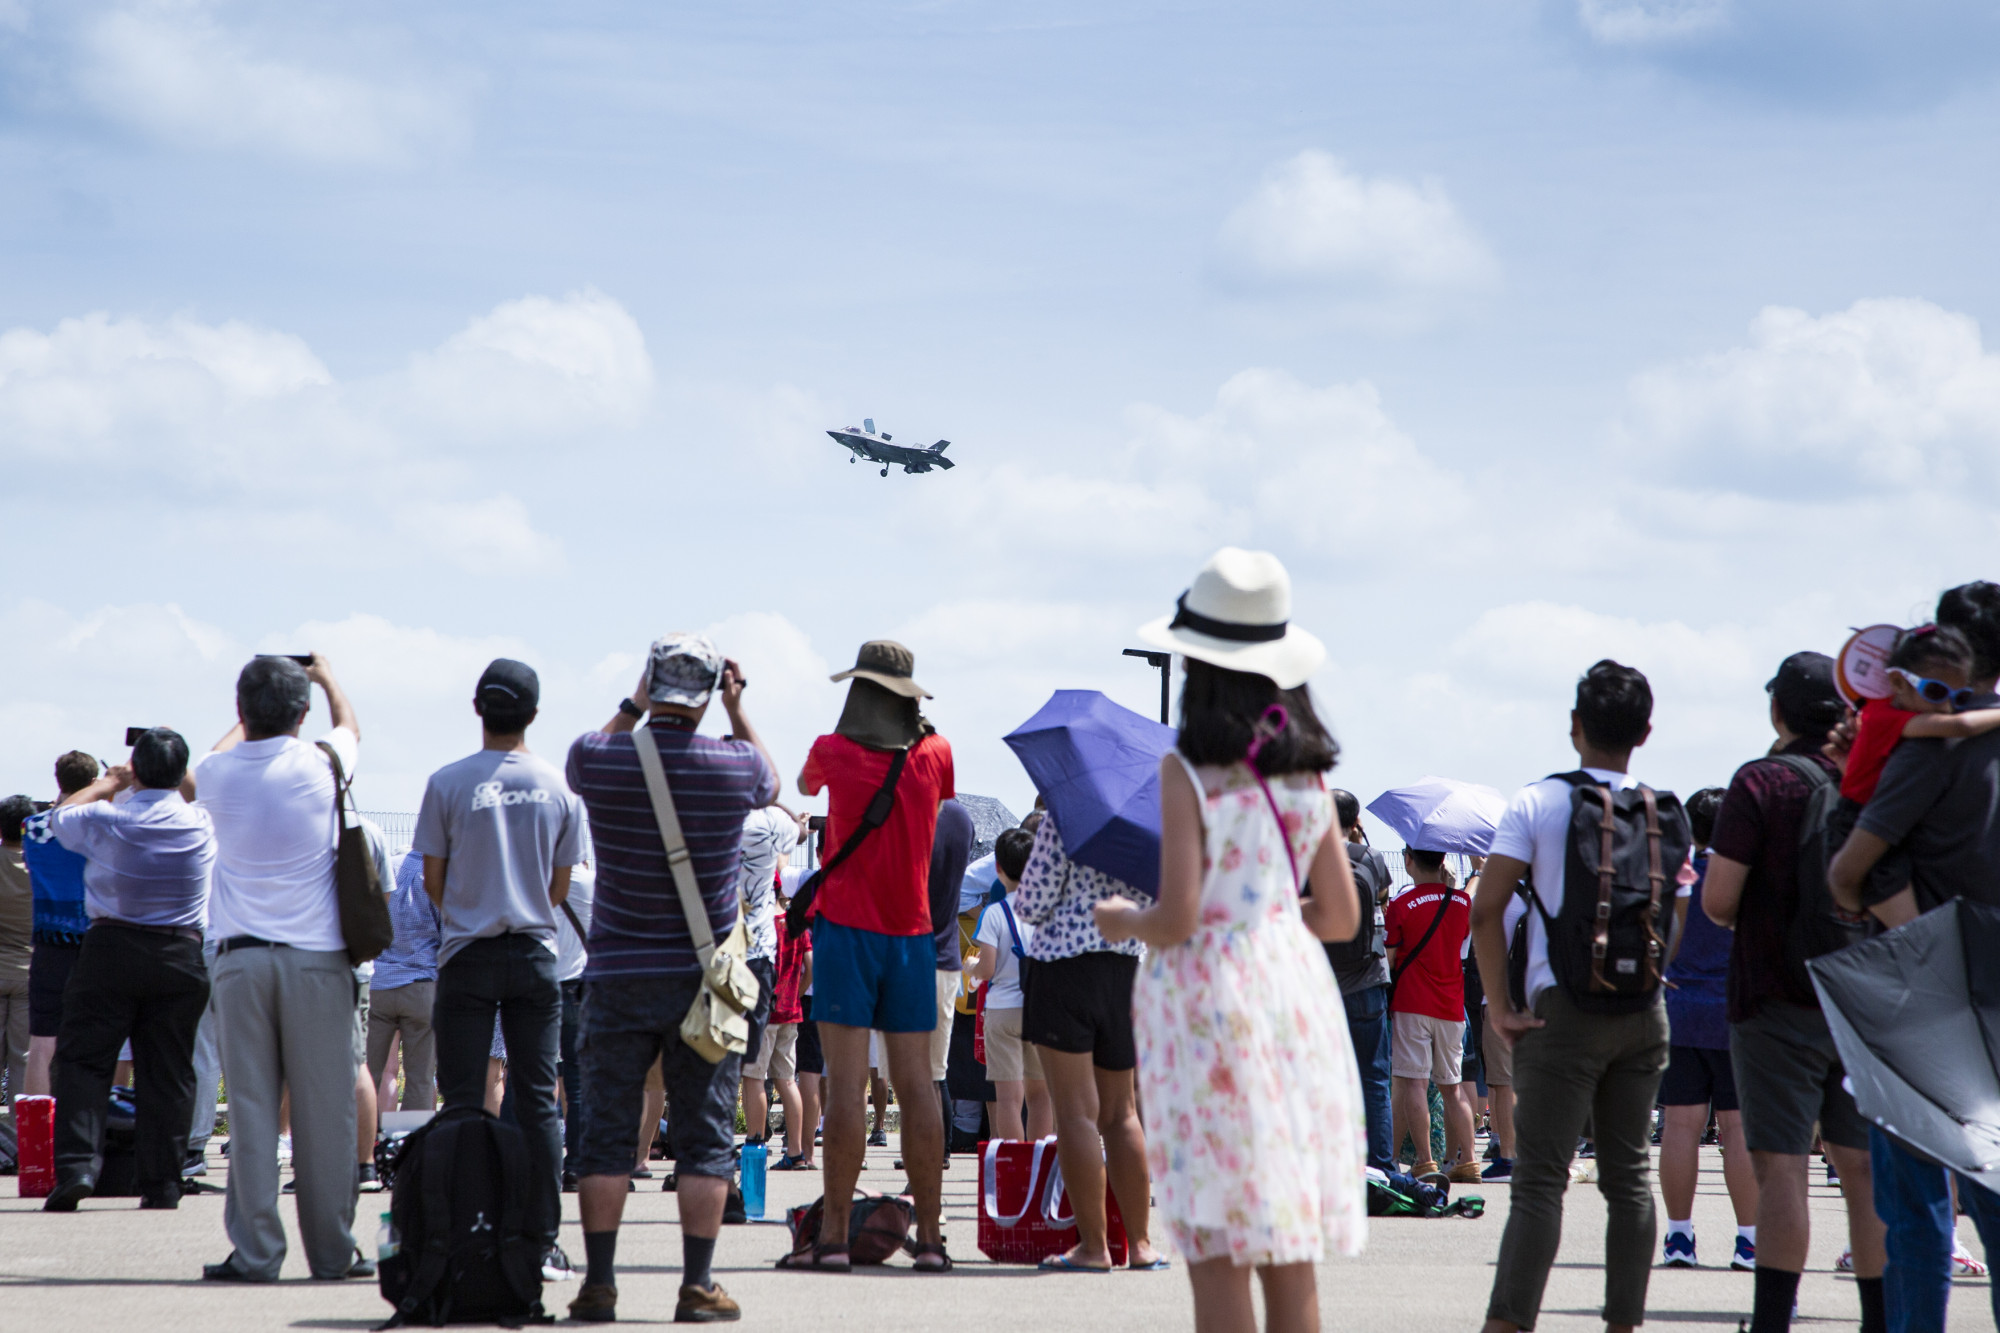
<point>800,911</point>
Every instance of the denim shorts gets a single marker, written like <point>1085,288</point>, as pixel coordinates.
<point>628,1022</point>
<point>864,979</point>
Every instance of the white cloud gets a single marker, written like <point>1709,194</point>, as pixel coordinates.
<point>491,536</point>
<point>232,413</point>
<point>173,70</point>
<point>1379,248</point>
<point>95,388</point>
<point>1634,23</point>
<point>539,363</point>
<point>1887,396</point>
<point>1318,469</point>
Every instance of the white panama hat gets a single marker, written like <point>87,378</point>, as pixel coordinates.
<point>1238,616</point>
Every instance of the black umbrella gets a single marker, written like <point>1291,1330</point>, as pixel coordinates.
<point>989,820</point>
<point>1916,1015</point>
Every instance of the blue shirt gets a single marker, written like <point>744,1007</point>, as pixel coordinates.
<point>1698,1003</point>
<point>637,928</point>
<point>413,955</point>
<point>57,874</point>
<point>150,855</point>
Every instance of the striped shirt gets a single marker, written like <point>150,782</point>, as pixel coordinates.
<point>637,928</point>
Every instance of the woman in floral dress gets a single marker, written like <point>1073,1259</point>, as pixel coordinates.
<point>1257,1134</point>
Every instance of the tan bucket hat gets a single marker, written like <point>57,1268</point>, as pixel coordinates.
<point>889,664</point>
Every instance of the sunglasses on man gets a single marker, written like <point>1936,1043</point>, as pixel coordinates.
<point>1933,691</point>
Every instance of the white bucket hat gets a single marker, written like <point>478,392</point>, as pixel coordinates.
<point>1237,616</point>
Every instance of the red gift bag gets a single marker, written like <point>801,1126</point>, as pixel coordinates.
<point>35,1145</point>
<point>1024,1211</point>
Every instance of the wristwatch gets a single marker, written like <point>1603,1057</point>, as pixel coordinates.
<point>630,709</point>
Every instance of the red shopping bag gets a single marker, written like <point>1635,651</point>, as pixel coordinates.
<point>1024,1211</point>
<point>35,1145</point>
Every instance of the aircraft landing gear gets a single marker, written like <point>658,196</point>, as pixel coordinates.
<point>885,472</point>
<point>851,458</point>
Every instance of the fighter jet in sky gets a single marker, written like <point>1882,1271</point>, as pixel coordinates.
<point>865,443</point>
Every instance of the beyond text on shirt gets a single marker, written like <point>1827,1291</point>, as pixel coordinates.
<point>504,819</point>
<point>637,928</point>
<point>272,804</point>
<point>150,855</point>
<point>885,886</point>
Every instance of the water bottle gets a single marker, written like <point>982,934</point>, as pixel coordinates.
<point>754,1157</point>
<point>387,1242</point>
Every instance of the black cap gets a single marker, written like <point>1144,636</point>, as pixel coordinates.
<point>509,684</point>
<point>1804,688</point>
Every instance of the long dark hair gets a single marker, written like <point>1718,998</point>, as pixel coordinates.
<point>1220,710</point>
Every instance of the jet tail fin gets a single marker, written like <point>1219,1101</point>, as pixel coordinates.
<point>940,446</point>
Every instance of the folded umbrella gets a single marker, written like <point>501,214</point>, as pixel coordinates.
<point>1097,765</point>
<point>1916,1016</point>
<point>1442,814</point>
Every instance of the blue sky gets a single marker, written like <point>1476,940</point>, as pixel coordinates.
<point>1525,333</point>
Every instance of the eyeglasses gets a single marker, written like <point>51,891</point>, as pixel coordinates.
<point>1933,691</point>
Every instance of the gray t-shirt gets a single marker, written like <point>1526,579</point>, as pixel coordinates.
<point>505,820</point>
<point>1363,962</point>
<point>1941,801</point>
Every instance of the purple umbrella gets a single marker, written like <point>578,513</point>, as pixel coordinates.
<point>1097,764</point>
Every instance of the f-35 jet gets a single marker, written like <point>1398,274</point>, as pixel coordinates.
<point>865,443</point>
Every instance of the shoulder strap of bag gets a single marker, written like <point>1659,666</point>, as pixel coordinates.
<point>877,814</point>
<point>343,789</point>
<point>679,861</point>
<point>1013,928</point>
<point>575,924</point>
<point>1811,770</point>
<point>1403,963</point>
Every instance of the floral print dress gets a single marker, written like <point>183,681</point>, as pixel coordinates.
<point>1255,1128</point>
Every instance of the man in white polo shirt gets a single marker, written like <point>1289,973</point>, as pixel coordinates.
<point>284,990</point>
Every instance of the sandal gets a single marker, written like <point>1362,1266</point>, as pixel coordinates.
<point>923,1250</point>
<point>814,1259</point>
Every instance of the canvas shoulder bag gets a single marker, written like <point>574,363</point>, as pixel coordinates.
<point>357,884</point>
<point>718,1022</point>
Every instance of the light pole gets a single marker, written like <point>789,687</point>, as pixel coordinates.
<point>1165,662</point>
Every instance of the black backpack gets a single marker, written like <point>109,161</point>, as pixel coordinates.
<point>1608,936</point>
<point>464,1253</point>
<point>1818,925</point>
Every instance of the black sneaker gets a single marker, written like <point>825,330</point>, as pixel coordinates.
<point>878,1140</point>
<point>195,1165</point>
<point>68,1194</point>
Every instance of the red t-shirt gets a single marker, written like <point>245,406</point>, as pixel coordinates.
<point>1880,727</point>
<point>885,885</point>
<point>1434,982</point>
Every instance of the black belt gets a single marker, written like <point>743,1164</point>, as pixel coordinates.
<point>178,932</point>
<point>247,942</point>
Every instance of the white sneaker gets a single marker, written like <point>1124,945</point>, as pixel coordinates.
<point>284,1148</point>
<point>1962,1262</point>
<point>556,1266</point>
<point>1845,1263</point>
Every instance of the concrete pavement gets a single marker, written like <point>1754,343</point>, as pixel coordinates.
<point>109,1266</point>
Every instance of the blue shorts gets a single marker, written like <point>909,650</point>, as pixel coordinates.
<point>863,979</point>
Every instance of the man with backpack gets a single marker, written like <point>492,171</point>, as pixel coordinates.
<point>646,972</point>
<point>499,832</point>
<point>1788,1072</point>
<point>1582,1008</point>
<point>1361,966</point>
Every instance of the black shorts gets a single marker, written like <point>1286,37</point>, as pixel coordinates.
<point>1788,1078</point>
<point>1698,1077</point>
<point>629,1022</point>
<point>809,1058</point>
<point>1081,1006</point>
<point>49,967</point>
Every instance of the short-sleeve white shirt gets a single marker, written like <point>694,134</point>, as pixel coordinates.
<point>272,804</point>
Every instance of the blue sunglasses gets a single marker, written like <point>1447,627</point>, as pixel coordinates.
<point>1933,691</point>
